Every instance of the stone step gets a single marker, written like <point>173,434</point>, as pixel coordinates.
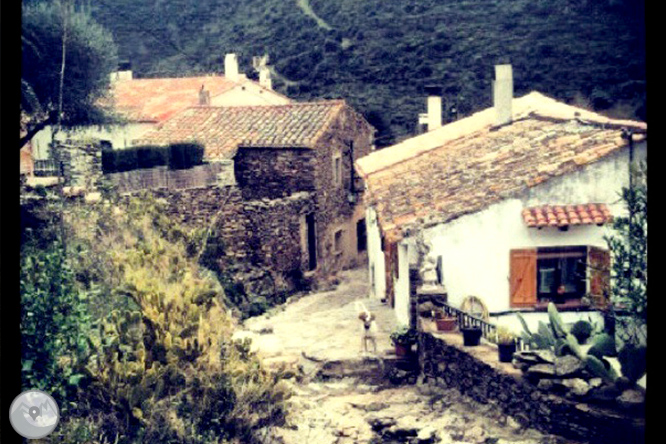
<point>369,370</point>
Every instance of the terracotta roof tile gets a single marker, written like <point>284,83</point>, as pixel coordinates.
<point>470,164</point>
<point>155,100</point>
<point>564,215</point>
<point>223,129</point>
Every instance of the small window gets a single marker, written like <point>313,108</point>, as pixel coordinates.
<point>561,273</point>
<point>337,169</point>
<point>106,144</point>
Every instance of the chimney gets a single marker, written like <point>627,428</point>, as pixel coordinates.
<point>231,67</point>
<point>204,96</point>
<point>503,94</point>
<point>433,119</point>
<point>265,78</point>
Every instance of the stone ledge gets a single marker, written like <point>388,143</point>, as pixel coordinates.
<point>476,372</point>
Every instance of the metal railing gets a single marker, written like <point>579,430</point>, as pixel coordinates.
<point>465,320</point>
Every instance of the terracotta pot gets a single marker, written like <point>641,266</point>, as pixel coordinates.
<point>506,351</point>
<point>402,350</point>
<point>471,336</point>
<point>445,324</point>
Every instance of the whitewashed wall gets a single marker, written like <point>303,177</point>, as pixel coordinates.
<point>120,136</point>
<point>401,285</point>
<point>475,248</point>
<point>376,262</point>
<point>249,94</point>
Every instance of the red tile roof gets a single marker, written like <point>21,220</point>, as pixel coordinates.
<point>223,129</point>
<point>565,215</point>
<point>468,165</point>
<point>154,100</point>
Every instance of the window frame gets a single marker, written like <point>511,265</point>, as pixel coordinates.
<point>524,291</point>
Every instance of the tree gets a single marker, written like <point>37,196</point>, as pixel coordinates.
<point>67,59</point>
<point>628,247</point>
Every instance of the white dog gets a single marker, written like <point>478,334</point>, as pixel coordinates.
<point>369,330</point>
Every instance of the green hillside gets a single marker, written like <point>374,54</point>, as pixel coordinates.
<point>379,54</point>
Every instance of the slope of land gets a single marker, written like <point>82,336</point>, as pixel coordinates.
<point>379,54</point>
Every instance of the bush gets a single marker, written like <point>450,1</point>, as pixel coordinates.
<point>161,366</point>
<point>175,156</point>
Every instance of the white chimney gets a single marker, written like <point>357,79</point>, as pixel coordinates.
<point>265,77</point>
<point>503,94</point>
<point>231,67</point>
<point>433,119</point>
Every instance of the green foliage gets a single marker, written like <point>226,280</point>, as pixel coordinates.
<point>160,364</point>
<point>582,330</point>
<point>90,57</point>
<point>55,322</point>
<point>404,336</point>
<point>504,335</point>
<point>628,246</point>
<point>633,362</point>
<point>603,345</point>
<point>598,368</point>
<point>380,55</point>
<point>175,156</point>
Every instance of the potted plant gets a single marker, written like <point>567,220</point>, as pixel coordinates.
<point>444,322</point>
<point>403,338</point>
<point>506,343</point>
<point>471,335</point>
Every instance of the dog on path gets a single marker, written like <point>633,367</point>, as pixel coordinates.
<point>369,333</point>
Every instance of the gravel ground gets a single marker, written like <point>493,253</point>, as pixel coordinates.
<point>306,333</point>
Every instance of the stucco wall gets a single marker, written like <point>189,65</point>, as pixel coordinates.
<point>120,136</point>
<point>376,261</point>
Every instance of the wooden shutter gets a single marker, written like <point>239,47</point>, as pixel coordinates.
<point>523,278</point>
<point>598,275</point>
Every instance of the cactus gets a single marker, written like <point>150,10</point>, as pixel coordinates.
<point>582,330</point>
<point>556,323</point>
<point>633,362</point>
<point>597,367</point>
<point>603,345</point>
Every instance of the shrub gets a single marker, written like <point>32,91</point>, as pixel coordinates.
<point>160,364</point>
<point>175,156</point>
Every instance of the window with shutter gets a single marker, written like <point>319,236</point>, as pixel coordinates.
<point>523,278</point>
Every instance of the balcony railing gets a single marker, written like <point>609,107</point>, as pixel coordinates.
<point>465,319</point>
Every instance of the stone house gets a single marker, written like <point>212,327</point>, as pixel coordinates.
<point>288,197</point>
<point>513,203</point>
<point>145,102</point>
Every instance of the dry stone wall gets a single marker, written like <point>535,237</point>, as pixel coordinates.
<point>269,173</point>
<point>452,367</point>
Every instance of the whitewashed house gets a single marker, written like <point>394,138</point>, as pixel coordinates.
<point>144,103</point>
<point>513,202</point>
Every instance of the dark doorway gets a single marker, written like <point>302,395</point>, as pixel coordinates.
<point>312,242</point>
<point>361,238</point>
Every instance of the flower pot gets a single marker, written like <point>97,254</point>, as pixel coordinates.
<point>506,351</point>
<point>471,336</point>
<point>402,350</point>
<point>445,324</point>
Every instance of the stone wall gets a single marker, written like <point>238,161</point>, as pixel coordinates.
<point>81,163</point>
<point>275,229</point>
<point>476,372</point>
<point>335,210</point>
<point>273,173</point>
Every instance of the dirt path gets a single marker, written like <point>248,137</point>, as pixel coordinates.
<point>322,328</point>
<point>307,9</point>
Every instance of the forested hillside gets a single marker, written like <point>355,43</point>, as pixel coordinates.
<point>379,54</point>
